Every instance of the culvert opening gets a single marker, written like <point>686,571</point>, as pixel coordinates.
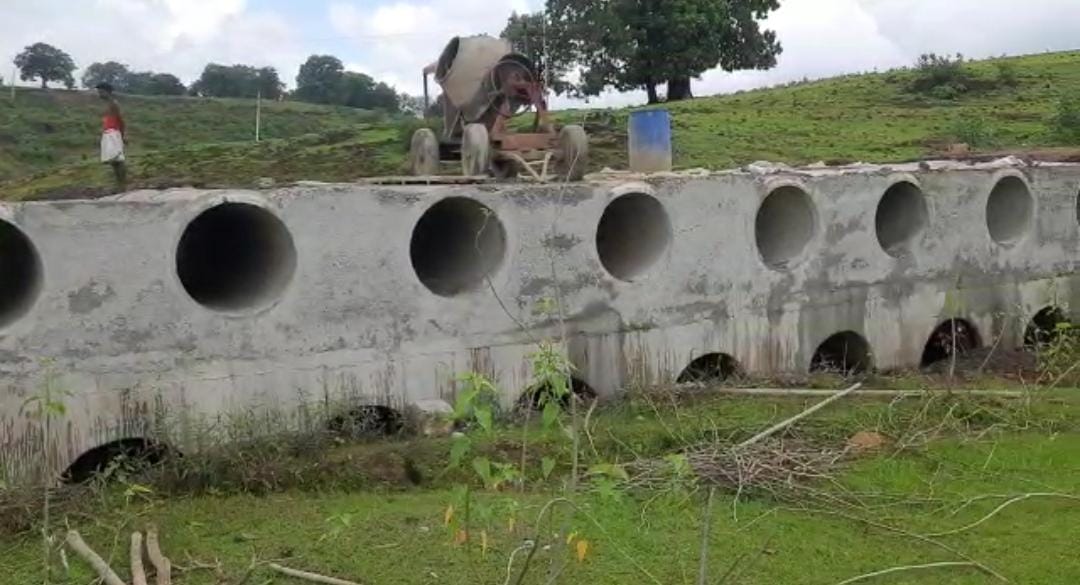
<point>536,396</point>
<point>366,421</point>
<point>1044,327</point>
<point>709,368</point>
<point>901,217</point>
<point>843,353</point>
<point>235,256</point>
<point>633,233</point>
<point>457,243</point>
<point>954,337</point>
<point>1010,211</point>
<point>20,273</point>
<point>126,455</point>
<point>785,224</point>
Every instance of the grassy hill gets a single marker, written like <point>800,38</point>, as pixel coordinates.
<point>873,118</point>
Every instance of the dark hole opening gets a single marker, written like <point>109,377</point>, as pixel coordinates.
<point>127,454</point>
<point>235,256</point>
<point>844,353</point>
<point>457,243</point>
<point>20,273</point>
<point>1043,329</point>
<point>365,421</point>
<point>713,367</point>
<point>953,337</point>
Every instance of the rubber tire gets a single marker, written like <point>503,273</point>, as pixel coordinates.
<point>424,153</point>
<point>475,151</point>
<point>573,159</point>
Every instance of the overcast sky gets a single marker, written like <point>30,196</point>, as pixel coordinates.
<point>393,39</point>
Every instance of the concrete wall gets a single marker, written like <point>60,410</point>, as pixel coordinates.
<point>160,311</point>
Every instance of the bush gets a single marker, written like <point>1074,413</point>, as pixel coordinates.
<point>1066,123</point>
<point>935,71</point>
<point>1007,74</point>
<point>972,131</point>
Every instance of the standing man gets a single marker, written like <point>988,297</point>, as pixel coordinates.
<point>112,136</point>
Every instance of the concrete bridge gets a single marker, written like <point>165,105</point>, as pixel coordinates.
<point>157,314</point>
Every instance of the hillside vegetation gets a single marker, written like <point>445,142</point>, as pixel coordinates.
<point>872,118</point>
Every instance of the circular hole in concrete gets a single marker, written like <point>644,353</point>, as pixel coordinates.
<point>843,353</point>
<point>1043,328</point>
<point>456,244</point>
<point>1010,211</point>
<point>952,338</point>
<point>20,273</point>
<point>126,455</point>
<point>535,396</point>
<point>634,232</point>
<point>709,368</point>
<point>901,217</point>
<point>235,256</point>
<point>785,224</point>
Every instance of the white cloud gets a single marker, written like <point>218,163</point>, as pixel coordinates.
<point>398,39</point>
<point>174,36</point>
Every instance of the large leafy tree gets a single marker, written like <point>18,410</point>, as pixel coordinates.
<point>630,44</point>
<point>540,43</point>
<point>320,79</point>
<point>47,63</point>
<point>110,72</point>
<point>238,81</point>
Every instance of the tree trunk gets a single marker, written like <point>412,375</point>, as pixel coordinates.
<point>44,83</point>
<point>678,88</point>
<point>650,88</point>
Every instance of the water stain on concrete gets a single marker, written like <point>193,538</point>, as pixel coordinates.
<point>89,297</point>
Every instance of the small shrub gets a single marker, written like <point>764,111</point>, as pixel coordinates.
<point>935,71</point>
<point>1007,74</point>
<point>972,131</point>
<point>1066,123</point>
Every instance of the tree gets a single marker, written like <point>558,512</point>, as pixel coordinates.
<point>320,80</point>
<point>46,62</point>
<point>109,72</point>
<point>529,36</point>
<point>629,44</point>
<point>237,81</point>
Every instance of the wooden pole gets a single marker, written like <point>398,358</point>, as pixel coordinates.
<point>258,113</point>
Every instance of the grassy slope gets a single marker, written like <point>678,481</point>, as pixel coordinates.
<point>395,536</point>
<point>856,118</point>
<point>42,129</point>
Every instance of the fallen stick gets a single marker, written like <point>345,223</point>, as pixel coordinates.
<point>805,392</point>
<point>162,566</point>
<point>314,577</point>
<point>790,421</point>
<point>104,571</point>
<point>138,572</point>
<point>906,568</point>
<point>995,512</point>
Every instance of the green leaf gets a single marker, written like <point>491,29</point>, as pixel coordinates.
<point>551,413</point>
<point>458,449</point>
<point>482,466</point>
<point>547,465</point>
<point>610,470</point>
<point>484,417</point>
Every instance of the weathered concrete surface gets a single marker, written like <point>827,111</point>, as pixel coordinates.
<point>340,314</point>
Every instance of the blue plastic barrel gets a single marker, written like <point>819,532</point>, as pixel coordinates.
<point>650,141</point>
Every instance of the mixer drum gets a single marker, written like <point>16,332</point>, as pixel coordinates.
<point>464,70</point>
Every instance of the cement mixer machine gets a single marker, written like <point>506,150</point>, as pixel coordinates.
<point>485,86</point>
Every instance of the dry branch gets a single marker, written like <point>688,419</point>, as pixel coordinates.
<point>79,547</point>
<point>997,510</point>
<point>307,576</point>
<point>905,568</point>
<point>162,566</point>
<point>788,422</point>
<point>138,572</point>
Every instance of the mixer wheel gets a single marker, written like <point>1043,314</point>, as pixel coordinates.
<point>475,151</point>
<point>573,156</point>
<point>424,153</point>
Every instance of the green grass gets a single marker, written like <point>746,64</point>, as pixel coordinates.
<point>398,535</point>
<point>871,118</point>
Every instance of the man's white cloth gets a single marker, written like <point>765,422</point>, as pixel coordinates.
<point>112,146</point>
